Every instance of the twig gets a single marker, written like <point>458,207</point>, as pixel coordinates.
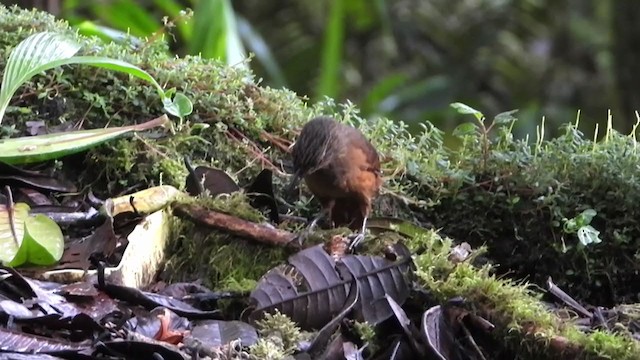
<point>236,226</point>
<point>472,342</point>
<point>238,136</point>
<point>279,142</point>
<point>11,213</point>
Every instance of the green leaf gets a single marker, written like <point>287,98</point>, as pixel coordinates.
<point>12,230</point>
<point>31,149</point>
<point>464,129</point>
<point>180,106</point>
<point>29,58</point>
<point>589,235</point>
<point>90,28</point>
<point>466,109</point>
<point>384,88</point>
<point>257,44</point>
<point>505,117</point>
<point>127,15</point>
<point>47,50</point>
<point>43,242</point>
<point>400,226</point>
<point>215,34</point>
<point>586,216</point>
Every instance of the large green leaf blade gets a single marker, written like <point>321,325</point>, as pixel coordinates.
<point>170,105</point>
<point>12,230</point>
<point>48,50</point>
<point>32,149</point>
<point>28,58</point>
<point>107,63</point>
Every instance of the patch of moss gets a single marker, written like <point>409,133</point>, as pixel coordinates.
<point>522,322</point>
<point>279,329</point>
<point>222,261</point>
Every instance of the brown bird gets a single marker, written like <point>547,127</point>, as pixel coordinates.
<point>342,170</point>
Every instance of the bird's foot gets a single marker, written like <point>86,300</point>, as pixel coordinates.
<point>355,240</point>
<point>304,234</point>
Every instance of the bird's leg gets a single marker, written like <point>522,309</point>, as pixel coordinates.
<point>314,222</point>
<point>325,212</point>
<point>360,236</point>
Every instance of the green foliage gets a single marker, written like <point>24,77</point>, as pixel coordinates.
<point>332,51</point>
<point>279,326</point>
<point>210,30</point>
<point>216,37</point>
<point>32,149</point>
<point>47,50</point>
<point>580,225</point>
<point>221,95</point>
<point>25,238</point>
<point>43,242</point>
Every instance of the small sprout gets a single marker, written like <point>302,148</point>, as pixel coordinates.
<point>587,234</point>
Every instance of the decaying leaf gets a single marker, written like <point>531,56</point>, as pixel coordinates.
<point>260,191</point>
<point>142,202</point>
<point>438,333</point>
<point>33,179</point>
<point>216,333</point>
<point>203,178</point>
<point>27,343</point>
<point>313,288</point>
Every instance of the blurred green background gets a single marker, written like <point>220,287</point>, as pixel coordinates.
<point>408,59</point>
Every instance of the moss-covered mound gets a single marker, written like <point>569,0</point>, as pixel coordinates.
<point>519,198</point>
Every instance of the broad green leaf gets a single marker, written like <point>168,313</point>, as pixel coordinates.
<point>107,63</point>
<point>374,100</point>
<point>44,51</point>
<point>32,149</point>
<point>29,58</point>
<point>43,242</point>
<point>464,129</point>
<point>11,235</point>
<point>466,109</point>
<point>505,117</point>
<point>127,14</point>
<point>257,44</point>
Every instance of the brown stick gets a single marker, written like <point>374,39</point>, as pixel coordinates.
<point>236,226</point>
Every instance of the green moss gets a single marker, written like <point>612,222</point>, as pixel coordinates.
<point>522,322</point>
<point>280,326</point>
<point>367,334</point>
<point>222,261</point>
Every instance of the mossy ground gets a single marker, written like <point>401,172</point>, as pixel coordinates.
<point>512,195</point>
<point>513,307</point>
